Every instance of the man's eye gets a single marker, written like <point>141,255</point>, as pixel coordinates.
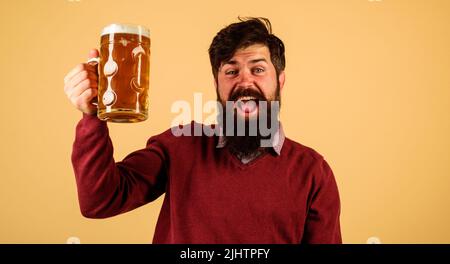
<point>231,72</point>
<point>258,70</point>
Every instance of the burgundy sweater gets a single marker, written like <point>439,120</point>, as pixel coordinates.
<point>210,195</point>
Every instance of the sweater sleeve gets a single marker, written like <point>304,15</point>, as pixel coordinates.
<point>106,188</point>
<point>322,224</point>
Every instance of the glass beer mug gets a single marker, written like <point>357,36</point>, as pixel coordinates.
<point>123,71</point>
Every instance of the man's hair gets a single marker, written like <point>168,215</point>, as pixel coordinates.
<point>249,31</point>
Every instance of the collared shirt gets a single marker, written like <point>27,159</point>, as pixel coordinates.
<point>277,144</point>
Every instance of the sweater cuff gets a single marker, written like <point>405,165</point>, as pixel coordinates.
<point>89,123</point>
<point>90,116</point>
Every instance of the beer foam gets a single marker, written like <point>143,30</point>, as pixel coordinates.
<point>126,28</point>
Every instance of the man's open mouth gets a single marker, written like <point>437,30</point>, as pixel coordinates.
<point>247,105</point>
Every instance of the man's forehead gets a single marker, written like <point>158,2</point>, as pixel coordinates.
<point>259,49</point>
<point>250,53</point>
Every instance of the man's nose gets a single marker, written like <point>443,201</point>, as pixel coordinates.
<point>246,79</point>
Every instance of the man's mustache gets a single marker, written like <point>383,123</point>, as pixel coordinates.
<point>247,92</point>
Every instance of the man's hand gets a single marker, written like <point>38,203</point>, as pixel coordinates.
<point>80,85</point>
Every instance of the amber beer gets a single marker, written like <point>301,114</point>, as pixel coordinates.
<point>124,70</point>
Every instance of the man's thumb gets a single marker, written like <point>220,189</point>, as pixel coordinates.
<point>93,53</point>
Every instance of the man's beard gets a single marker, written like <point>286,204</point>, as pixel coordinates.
<point>247,143</point>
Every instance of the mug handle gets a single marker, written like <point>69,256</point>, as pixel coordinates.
<point>94,62</point>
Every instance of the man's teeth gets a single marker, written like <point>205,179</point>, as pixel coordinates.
<point>246,98</point>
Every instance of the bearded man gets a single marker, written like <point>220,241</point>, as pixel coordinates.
<point>242,185</point>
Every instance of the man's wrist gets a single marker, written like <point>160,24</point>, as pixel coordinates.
<point>89,115</point>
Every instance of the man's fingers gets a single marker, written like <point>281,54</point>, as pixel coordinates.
<point>80,84</point>
<point>85,74</point>
<point>81,87</point>
<point>87,96</point>
<point>79,77</point>
<point>73,72</point>
<point>80,67</point>
<point>93,53</point>
<point>83,102</point>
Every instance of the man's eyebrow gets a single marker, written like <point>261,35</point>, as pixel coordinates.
<point>233,62</point>
<point>258,60</point>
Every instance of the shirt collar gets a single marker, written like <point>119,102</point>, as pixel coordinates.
<point>277,142</point>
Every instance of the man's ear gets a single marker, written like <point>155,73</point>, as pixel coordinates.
<point>281,79</point>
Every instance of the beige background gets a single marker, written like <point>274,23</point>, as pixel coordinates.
<point>368,86</point>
